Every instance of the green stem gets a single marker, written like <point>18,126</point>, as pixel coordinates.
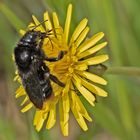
<point>129,71</point>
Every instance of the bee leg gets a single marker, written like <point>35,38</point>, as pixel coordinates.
<point>56,80</point>
<point>76,91</point>
<point>54,59</point>
<point>47,70</point>
<point>52,77</point>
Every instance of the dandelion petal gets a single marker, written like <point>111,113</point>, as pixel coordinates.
<point>86,93</point>
<point>52,118</point>
<point>92,50</point>
<point>82,36</point>
<point>40,124</point>
<point>55,20</point>
<point>24,101</point>
<point>79,118</point>
<point>67,23</point>
<point>78,30</point>
<point>92,77</point>
<point>20,92</point>
<point>66,104</point>
<point>40,120</point>
<point>57,27</point>
<point>100,91</point>
<point>40,28</point>
<point>90,42</point>
<point>94,89</point>
<point>27,107</point>
<point>38,114</point>
<point>48,24</point>
<point>81,67</point>
<point>80,107</point>
<point>64,117</point>
<point>95,60</point>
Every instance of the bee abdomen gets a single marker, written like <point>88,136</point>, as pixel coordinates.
<point>47,90</point>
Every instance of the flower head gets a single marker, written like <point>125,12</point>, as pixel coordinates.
<point>71,70</point>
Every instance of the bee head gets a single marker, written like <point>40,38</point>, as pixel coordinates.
<point>32,37</point>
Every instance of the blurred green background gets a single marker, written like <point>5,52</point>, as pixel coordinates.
<point>116,117</point>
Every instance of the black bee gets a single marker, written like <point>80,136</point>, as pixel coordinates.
<point>35,75</point>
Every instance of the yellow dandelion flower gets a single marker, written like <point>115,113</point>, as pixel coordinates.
<point>71,70</point>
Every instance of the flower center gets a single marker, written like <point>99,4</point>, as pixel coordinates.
<point>70,69</point>
<point>70,65</point>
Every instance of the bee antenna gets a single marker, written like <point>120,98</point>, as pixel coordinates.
<point>39,24</point>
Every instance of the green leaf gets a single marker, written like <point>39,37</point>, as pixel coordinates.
<point>12,18</point>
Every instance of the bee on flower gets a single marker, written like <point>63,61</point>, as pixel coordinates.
<point>71,70</point>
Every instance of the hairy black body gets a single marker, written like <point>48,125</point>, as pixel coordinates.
<point>35,75</point>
